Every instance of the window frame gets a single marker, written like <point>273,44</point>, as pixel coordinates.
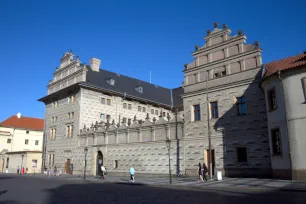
<point>108,102</point>
<point>103,100</point>
<point>196,112</point>
<point>239,104</point>
<point>214,110</point>
<point>270,101</point>
<point>274,153</point>
<point>239,157</point>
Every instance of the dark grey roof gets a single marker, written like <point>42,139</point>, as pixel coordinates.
<point>176,94</point>
<point>128,85</point>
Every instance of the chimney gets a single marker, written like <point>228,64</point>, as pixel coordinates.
<point>95,64</point>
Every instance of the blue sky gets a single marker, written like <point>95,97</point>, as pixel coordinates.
<point>131,37</point>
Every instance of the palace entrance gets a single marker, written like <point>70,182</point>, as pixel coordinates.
<point>99,163</point>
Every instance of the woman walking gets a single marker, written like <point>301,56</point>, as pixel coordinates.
<point>200,173</point>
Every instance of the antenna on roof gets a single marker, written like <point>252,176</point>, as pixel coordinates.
<point>150,76</point>
<point>18,115</point>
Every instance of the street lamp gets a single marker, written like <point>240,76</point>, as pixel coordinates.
<point>85,152</point>
<point>168,143</point>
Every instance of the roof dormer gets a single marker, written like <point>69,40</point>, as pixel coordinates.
<point>111,81</point>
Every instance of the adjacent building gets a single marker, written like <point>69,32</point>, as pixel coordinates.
<point>21,142</point>
<point>284,84</point>
<point>222,96</point>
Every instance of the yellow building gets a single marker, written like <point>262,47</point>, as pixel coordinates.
<point>21,144</point>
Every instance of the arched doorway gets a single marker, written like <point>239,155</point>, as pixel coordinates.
<point>99,162</point>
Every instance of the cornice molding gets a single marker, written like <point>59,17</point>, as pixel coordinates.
<point>256,52</point>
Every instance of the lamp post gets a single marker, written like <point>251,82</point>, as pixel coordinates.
<point>85,152</point>
<point>168,143</point>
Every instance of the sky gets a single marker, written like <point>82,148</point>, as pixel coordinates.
<point>131,37</point>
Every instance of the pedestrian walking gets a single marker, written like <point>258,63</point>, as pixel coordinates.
<point>200,172</point>
<point>18,170</point>
<point>103,171</point>
<point>132,174</point>
<point>55,171</point>
<point>45,171</point>
<point>22,170</point>
<point>205,170</point>
<point>49,171</point>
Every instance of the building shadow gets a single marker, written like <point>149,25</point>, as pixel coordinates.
<point>244,149</point>
<point>118,193</point>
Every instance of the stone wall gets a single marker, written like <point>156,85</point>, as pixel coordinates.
<point>141,145</point>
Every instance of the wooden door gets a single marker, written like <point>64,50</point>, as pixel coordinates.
<point>213,161</point>
<point>67,165</point>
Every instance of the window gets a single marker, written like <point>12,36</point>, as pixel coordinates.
<point>140,89</point>
<point>53,159</point>
<point>108,102</point>
<point>27,132</point>
<point>69,116</point>
<point>130,106</point>
<point>50,155</point>
<point>143,109</point>
<point>272,100</point>
<point>139,108</point>
<point>241,107</point>
<point>111,81</point>
<point>124,105</point>
<point>102,100</point>
<point>116,164</point>
<point>71,99</point>
<point>52,133</point>
<point>7,162</point>
<point>195,78</point>
<point>242,154</point>
<point>223,73</point>
<point>9,141</point>
<point>72,114</point>
<point>69,130</point>
<point>217,75</point>
<point>197,112</point>
<point>102,116</point>
<point>34,163</point>
<point>55,118</point>
<point>276,142</point>
<point>214,109</point>
<point>36,142</point>
<point>54,104</point>
<point>26,142</point>
<point>156,112</point>
<point>152,111</point>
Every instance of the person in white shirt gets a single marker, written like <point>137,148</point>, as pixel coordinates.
<point>103,170</point>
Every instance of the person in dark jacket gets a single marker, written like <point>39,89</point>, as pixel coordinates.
<point>200,172</point>
<point>205,170</point>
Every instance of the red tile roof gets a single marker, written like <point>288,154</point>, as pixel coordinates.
<point>285,64</point>
<point>23,123</point>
